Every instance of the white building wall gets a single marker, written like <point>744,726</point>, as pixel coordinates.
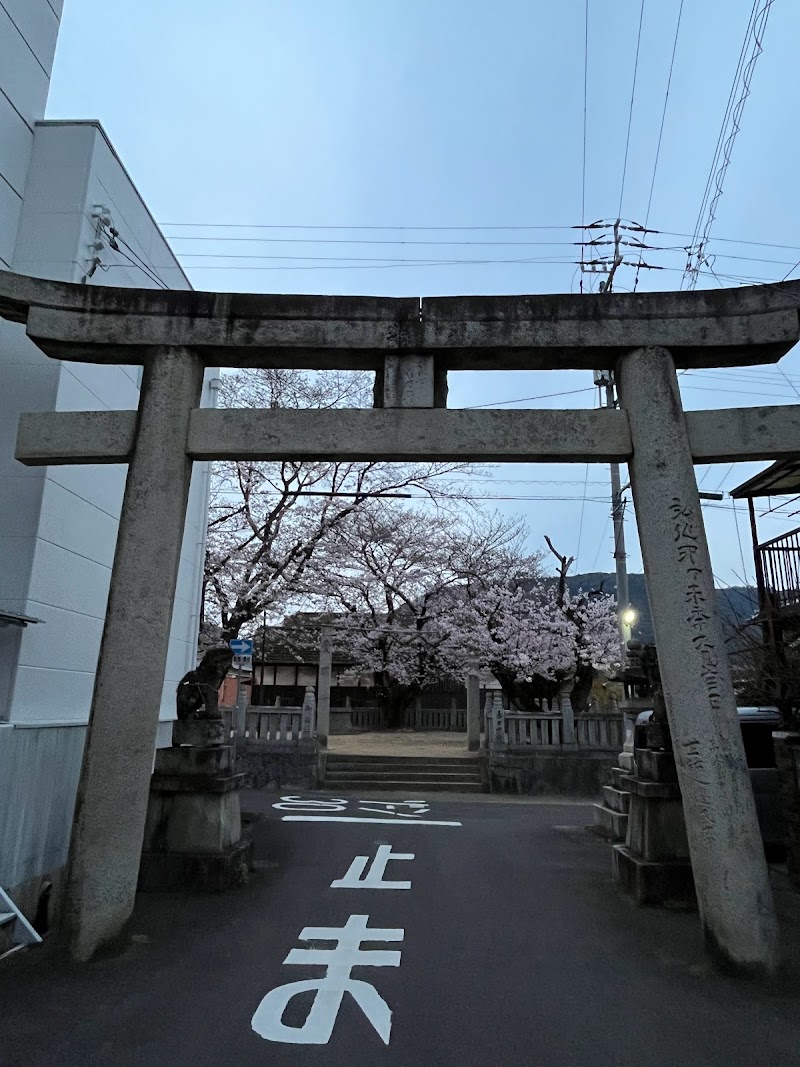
<point>72,521</point>
<point>58,525</point>
<point>28,31</point>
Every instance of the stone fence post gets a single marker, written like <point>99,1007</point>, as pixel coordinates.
<point>309,713</point>
<point>568,736</point>
<point>473,709</point>
<point>324,690</point>
<point>498,722</point>
<point>487,720</point>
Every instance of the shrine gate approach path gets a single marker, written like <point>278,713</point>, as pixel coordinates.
<point>516,949</point>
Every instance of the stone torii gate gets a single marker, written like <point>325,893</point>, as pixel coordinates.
<point>411,344</point>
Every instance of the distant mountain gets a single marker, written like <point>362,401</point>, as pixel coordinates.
<point>735,603</point>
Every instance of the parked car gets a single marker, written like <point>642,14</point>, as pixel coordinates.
<point>757,725</point>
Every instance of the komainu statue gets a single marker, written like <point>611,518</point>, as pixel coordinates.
<point>197,695</point>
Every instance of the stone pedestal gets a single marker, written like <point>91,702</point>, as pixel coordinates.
<point>193,831</point>
<point>653,864</point>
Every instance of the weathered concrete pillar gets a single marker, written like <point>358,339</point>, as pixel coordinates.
<point>473,710</point>
<point>324,688</point>
<point>114,786</point>
<point>408,381</point>
<point>730,871</point>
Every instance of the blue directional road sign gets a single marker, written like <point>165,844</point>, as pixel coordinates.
<point>241,646</point>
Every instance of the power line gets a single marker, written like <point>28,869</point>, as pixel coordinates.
<point>475,229</point>
<point>583,509</point>
<point>660,134</point>
<point>525,399</point>
<point>368,241</point>
<point>730,240</point>
<point>724,477</point>
<point>144,264</point>
<point>602,539</point>
<point>740,392</point>
<point>548,481</point>
<point>630,113</point>
<point>720,137</point>
<point>427,259</point>
<point>440,496</point>
<point>396,263</point>
<point>739,539</point>
<point>368,259</point>
<point>788,381</point>
<point>585,110</point>
<point>663,115</point>
<point>133,263</point>
<point>783,504</point>
<point>757,26</point>
<point>760,376</point>
<point>314,226</point>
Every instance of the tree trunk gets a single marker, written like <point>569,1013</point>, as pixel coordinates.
<point>582,687</point>
<point>393,698</point>
<point>527,696</point>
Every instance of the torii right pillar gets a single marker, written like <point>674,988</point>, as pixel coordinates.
<point>728,863</point>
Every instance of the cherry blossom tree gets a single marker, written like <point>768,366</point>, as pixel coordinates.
<point>397,579</point>
<point>421,595</point>
<point>534,637</point>
<point>267,520</point>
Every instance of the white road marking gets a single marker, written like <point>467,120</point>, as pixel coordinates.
<point>389,807</point>
<point>351,818</point>
<point>330,990</point>
<point>356,879</point>
<point>292,803</point>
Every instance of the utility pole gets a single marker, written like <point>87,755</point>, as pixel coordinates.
<point>604,380</point>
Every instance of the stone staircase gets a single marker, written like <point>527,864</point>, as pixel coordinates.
<point>611,817</point>
<point>404,774</point>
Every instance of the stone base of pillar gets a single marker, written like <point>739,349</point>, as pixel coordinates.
<point>653,865</point>
<point>193,833</point>
<point>651,883</point>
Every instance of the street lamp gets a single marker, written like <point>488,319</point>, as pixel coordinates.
<point>629,616</point>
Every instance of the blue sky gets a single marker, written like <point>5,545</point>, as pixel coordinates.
<point>454,113</point>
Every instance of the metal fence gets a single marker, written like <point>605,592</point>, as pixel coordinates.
<point>780,564</point>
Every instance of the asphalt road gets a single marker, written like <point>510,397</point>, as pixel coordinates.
<point>514,949</point>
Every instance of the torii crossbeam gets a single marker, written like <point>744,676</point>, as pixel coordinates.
<point>411,344</point>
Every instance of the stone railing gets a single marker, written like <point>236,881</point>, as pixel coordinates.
<point>270,726</point>
<point>452,720</point>
<point>512,729</point>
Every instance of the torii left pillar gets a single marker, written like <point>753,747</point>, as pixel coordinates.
<point>114,785</point>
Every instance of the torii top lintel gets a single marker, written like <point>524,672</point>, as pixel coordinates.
<point>709,328</point>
